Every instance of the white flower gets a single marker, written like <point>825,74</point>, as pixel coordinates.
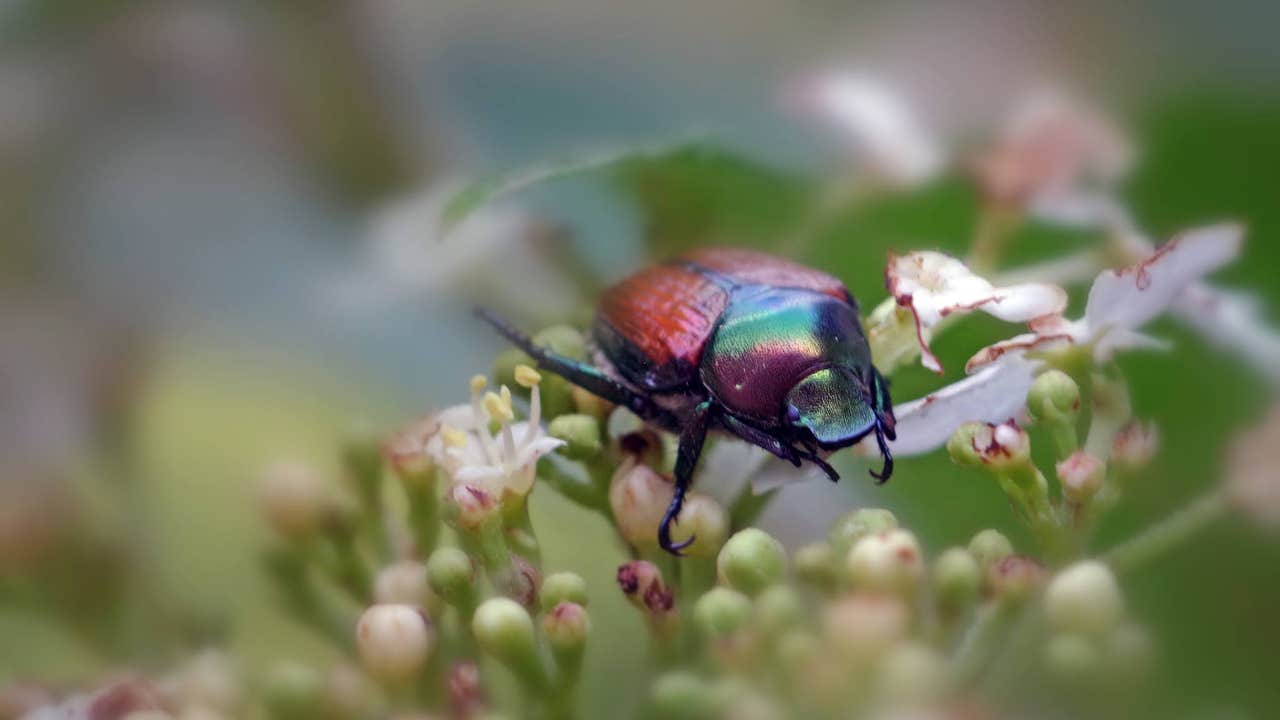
<point>501,463</point>
<point>1050,153</point>
<point>1123,300</point>
<point>878,125</point>
<point>933,286</point>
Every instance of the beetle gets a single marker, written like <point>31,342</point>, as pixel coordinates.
<point>736,341</point>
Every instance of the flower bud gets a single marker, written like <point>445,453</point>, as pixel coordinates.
<point>587,403</point>
<point>862,627</point>
<point>858,524</point>
<point>912,674</point>
<point>1084,598</point>
<point>704,519</point>
<point>888,561</point>
<point>581,434</point>
<point>1111,398</point>
<point>563,587</point>
<point>639,497</point>
<point>1081,476</point>
<point>816,564</point>
<point>566,626</point>
<point>682,695</point>
<point>957,578</point>
<point>1054,397</point>
<point>1134,446</point>
<point>556,392</point>
<point>751,561</point>
<point>778,609</point>
<point>404,583</point>
<point>1071,657</point>
<point>989,547</point>
<point>520,581</point>
<point>294,691</point>
<point>394,641</point>
<point>466,695</point>
<point>470,507</point>
<point>451,574</point>
<point>721,612</point>
<point>1000,447</point>
<point>642,583</point>
<point>294,497</point>
<point>210,680</point>
<point>1015,577</point>
<point>503,629</point>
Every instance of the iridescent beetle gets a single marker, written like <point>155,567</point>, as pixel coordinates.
<point>738,341</point>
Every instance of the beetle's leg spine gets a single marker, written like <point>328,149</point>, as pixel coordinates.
<point>886,471</point>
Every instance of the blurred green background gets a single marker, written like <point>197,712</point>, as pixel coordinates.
<point>192,187</point>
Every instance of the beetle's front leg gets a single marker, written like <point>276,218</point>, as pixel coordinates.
<point>692,436</point>
<point>765,441</point>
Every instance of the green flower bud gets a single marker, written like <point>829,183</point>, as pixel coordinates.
<point>912,674</point>
<point>451,574</point>
<point>704,519</point>
<point>504,630</point>
<point>564,340</point>
<point>1054,397</point>
<point>1081,476</point>
<point>751,561</point>
<point>581,434</point>
<point>563,587</point>
<point>816,564</point>
<point>778,609</point>
<point>1084,598</point>
<point>963,445</point>
<point>294,691</point>
<point>858,524</point>
<point>797,648</point>
<point>989,547</point>
<point>1071,657</point>
<point>721,612</point>
<point>394,641</point>
<point>590,404</point>
<point>566,626</point>
<point>957,578</point>
<point>681,695</point>
<point>890,561</point>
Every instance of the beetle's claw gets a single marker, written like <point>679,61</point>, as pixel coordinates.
<point>887,469</point>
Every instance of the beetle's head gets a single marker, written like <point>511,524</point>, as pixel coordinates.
<point>836,408</point>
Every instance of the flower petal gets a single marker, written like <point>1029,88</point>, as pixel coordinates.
<point>995,394</point>
<point>1129,297</point>
<point>878,124</point>
<point>934,285</point>
<point>1232,320</point>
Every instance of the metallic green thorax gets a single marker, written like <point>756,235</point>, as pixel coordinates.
<point>794,356</point>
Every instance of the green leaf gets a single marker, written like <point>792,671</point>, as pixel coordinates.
<point>486,190</point>
<point>705,194</point>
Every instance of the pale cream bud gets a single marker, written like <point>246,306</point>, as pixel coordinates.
<point>1084,598</point>
<point>889,561</point>
<point>394,641</point>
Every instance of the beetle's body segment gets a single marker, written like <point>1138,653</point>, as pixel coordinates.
<point>760,347</point>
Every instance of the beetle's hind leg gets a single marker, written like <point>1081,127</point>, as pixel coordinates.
<point>584,375</point>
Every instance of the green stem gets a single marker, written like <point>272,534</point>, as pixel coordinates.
<point>980,642</point>
<point>990,239</point>
<point>1167,534</point>
<point>424,516</point>
<point>748,506</point>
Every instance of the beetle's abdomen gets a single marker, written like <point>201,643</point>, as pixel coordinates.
<point>770,338</point>
<point>654,325</point>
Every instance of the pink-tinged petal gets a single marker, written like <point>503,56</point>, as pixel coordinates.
<point>995,394</point>
<point>1129,297</point>
<point>877,124</point>
<point>934,285</point>
<point>1234,321</point>
<point>1016,346</point>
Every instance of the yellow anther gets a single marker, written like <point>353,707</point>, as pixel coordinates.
<point>497,409</point>
<point>453,437</point>
<point>478,383</point>
<point>527,376</point>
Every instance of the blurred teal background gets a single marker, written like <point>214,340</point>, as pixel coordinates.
<point>189,190</point>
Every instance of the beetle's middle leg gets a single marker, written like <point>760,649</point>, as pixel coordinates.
<point>584,375</point>
<point>692,436</point>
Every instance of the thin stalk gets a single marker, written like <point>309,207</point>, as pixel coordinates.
<point>748,506</point>
<point>1167,534</point>
<point>981,640</point>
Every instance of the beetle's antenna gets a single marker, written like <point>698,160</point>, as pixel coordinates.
<point>887,469</point>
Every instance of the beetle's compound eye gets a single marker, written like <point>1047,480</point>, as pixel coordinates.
<point>831,404</point>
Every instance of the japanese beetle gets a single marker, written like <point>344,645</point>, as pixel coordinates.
<point>738,341</point>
